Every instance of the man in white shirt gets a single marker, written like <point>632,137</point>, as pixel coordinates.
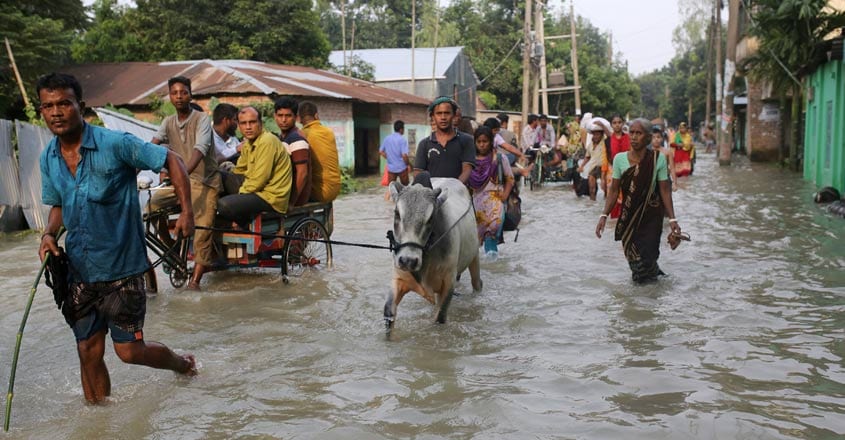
<point>545,132</point>
<point>529,134</point>
<point>225,124</point>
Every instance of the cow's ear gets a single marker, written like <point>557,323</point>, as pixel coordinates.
<point>440,195</point>
<point>396,188</point>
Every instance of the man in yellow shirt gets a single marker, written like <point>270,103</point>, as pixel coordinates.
<point>325,167</point>
<point>266,170</point>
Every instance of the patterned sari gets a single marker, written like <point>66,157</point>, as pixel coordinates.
<point>486,197</point>
<point>684,151</point>
<point>641,220</point>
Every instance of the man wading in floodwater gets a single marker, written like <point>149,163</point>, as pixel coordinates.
<point>88,179</point>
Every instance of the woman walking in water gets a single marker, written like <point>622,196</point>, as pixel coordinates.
<point>643,177</point>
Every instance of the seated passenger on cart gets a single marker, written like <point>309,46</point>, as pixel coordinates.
<point>325,165</point>
<point>263,170</point>
<point>298,148</point>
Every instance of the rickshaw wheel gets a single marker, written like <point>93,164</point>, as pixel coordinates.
<point>305,254</point>
<point>178,277</point>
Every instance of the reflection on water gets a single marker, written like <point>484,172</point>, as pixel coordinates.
<point>743,339</point>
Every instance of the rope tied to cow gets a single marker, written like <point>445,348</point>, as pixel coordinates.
<point>394,246</point>
<point>289,237</point>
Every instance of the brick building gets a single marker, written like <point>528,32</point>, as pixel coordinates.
<point>360,113</point>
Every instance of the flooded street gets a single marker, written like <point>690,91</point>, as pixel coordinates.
<point>743,339</point>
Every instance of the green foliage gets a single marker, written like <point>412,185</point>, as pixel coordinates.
<point>122,111</point>
<point>39,32</point>
<point>488,99</point>
<point>357,68</point>
<point>606,86</point>
<point>266,109</point>
<point>107,40</point>
<point>347,181</point>
<point>668,91</point>
<point>377,24</point>
<point>791,31</point>
<point>213,103</point>
<point>161,108</point>
<point>276,31</point>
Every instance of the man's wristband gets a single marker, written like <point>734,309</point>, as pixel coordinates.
<point>603,216</point>
<point>672,220</point>
<point>46,234</point>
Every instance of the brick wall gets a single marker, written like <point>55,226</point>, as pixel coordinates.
<point>409,113</point>
<point>764,126</point>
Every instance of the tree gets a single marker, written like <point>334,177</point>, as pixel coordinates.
<point>40,33</point>
<point>276,31</point>
<point>790,33</point>
<point>107,40</point>
<point>357,68</point>
<point>695,16</point>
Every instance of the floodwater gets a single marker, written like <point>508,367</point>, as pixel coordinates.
<point>743,339</point>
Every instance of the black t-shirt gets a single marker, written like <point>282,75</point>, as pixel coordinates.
<point>446,161</point>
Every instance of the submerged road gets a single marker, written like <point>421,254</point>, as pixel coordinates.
<point>743,339</point>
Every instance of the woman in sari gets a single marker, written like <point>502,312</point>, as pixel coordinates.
<point>490,183</point>
<point>684,150</point>
<point>642,176</point>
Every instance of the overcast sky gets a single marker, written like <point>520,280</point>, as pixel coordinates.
<point>642,30</point>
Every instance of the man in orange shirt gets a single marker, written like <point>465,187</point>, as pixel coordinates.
<point>325,166</point>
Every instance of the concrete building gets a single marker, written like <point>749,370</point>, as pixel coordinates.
<point>359,112</point>
<point>761,128</point>
<point>444,71</point>
<point>824,134</point>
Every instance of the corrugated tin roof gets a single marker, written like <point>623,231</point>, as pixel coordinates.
<point>132,83</point>
<point>395,64</point>
<point>120,122</point>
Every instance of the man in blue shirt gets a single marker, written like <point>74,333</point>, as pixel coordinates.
<point>88,177</point>
<point>395,150</point>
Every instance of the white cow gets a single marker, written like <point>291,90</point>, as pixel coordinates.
<point>435,240</point>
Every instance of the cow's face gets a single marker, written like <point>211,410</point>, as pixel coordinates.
<point>413,221</point>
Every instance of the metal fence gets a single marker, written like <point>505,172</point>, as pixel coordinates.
<point>20,174</point>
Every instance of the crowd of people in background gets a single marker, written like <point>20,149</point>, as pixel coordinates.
<point>635,164</point>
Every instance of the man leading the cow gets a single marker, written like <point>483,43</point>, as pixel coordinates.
<point>88,180</point>
<point>447,152</point>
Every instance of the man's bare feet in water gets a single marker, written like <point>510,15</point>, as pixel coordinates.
<point>190,368</point>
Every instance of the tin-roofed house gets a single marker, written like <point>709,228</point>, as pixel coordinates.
<point>442,71</point>
<point>359,112</point>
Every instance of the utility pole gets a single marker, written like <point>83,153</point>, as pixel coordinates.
<point>730,68</point>
<point>541,40</point>
<point>434,57</point>
<point>352,38</point>
<point>610,48</point>
<point>718,75</point>
<point>575,57</point>
<point>526,61</point>
<point>413,44</point>
<point>343,35</point>
<point>709,67</point>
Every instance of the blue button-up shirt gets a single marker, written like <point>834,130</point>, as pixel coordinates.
<point>394,146</point>
<point>100,208</point>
